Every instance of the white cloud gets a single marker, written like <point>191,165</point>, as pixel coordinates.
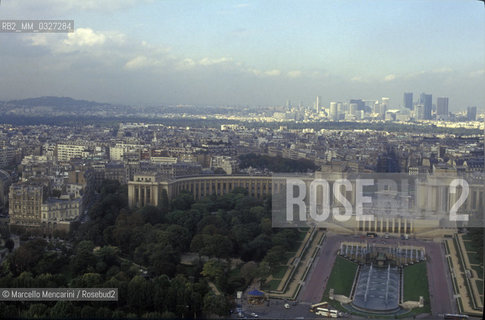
<point>185,64</point>
<point>443,70</point>
<point>267,73</point>
<point>84,37</point>
<point>138,62</point>
<point>390,77</point>
<point>272,73</point>
<point>81,37</point>
<point>209,61</point>
<point>357,79</point>
<point>477,73</point>
<point>39,39</point>
<point>294,74</point>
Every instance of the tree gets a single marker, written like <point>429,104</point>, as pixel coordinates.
<point>27,255</point>
<point>215,304</point>
<point>62,309</point>
<point>24,280</point>
<point>275,256</point>
<point>266,226</point>
<point>179,237</point>
<point>183,201</point>
<point>285,238</point>
<point>249,271</point>
<point>212,245</point>
<point>140,293</point>
<point>213,269</point>
<point>46,280</point>
<point>152,215</point>
<point>244,233</point>
<point>108,255</point>
<point>51,262</point>
<point>161,298</point>
<point>8,311</point>
<point>257,248</point>
<point>84,257</point>
<point>36,310</point>
<point>91,280</point>
<point>103,313</point>
<point>88,312</point>
<point>9,244</point>
<point>263,270</point>
<point>163,260</point>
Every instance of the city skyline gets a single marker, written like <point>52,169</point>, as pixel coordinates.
<point>248,52</point>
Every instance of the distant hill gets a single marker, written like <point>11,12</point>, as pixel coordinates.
<point>62,102</point>
<point>60,106</point>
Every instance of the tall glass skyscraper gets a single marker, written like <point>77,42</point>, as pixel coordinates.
<point>427,101</point>
<point>442,108</point>
<point>471,113</point>
<point>408,100</point>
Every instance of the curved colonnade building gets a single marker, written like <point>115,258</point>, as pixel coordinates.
<point>153,189</point>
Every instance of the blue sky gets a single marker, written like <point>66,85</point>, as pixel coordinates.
<point>248,52</point>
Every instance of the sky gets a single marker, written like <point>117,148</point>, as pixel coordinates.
<point>247,52</point>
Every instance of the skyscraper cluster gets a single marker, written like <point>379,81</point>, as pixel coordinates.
<point>423,108</point>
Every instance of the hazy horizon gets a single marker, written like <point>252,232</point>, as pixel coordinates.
<point>248,52</point>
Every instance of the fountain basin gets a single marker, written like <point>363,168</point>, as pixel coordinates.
<point>377,289</point>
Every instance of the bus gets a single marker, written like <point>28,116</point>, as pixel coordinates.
<point>326,312</point>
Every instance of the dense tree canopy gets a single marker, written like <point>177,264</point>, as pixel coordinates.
<point>139,252</point>
<point>276,164</point>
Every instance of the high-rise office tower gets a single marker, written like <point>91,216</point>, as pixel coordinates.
<point>384,106</point>
<point>385,101</point>
<point>359,102</point>
<point>333,111</point>
<point>377,107</point>
<point>419,112</point>
<point>353,108</point>
<point>427,101</point>
<point>340,108</point>
<point>317,105</point>
<point>471,113</point>
<point>408,100</point>
<point>442,108</point>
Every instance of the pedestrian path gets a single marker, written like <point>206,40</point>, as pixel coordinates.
<point>461,278</point>
<point>294,278</point>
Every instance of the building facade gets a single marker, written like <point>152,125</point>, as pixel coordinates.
<point>442,108</point>
<point>408,100</point>
<point>66,152</point>
<point>55,210</point>
<point>471,113</point>
<point>426,100</point>
<point>152,189</point>
<point>25,203</point>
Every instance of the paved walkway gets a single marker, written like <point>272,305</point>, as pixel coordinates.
<point>299,273</point>
<point>320,271</point>
<point>294,260</point>
<point>460,277</point>
<point>439,281</point>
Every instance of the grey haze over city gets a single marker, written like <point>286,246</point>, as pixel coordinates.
<point>247,52</point>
